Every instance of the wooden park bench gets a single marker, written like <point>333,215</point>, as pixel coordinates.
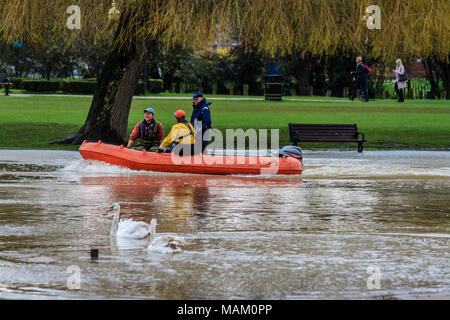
<point>4,82</point>
<point>326,133</point>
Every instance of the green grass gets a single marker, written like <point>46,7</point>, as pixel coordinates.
<point>33,122</point>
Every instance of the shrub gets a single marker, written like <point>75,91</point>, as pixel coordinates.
<point>156,85</point>
<point>83,86</point>
<point>140,88</point>
<point>89,86</point>
<point>80,86</point>
<point>41,85</point>
<point>16,83</point>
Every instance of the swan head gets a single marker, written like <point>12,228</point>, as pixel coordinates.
<point>115,207</point>
<point>173,245</point>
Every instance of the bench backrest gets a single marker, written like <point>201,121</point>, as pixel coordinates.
<point>298,132</point>
<point>2,77</point>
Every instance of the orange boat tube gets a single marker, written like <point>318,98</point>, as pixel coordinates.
<point>201,164</point>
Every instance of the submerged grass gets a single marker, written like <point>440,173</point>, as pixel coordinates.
<point>34,122</point>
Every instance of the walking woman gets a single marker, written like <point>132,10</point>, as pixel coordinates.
<point>399,85</point>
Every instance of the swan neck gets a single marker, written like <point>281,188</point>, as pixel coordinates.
<point>152,231</point>
<point>115,222</point>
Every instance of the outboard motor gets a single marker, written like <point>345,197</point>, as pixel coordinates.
<point>291,151</point>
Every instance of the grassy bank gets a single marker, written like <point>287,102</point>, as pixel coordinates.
<point>33,122</point>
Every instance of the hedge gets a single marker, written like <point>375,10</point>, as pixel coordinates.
<point>16,83</point>
<point>140,88</point>
<point>156,85</point>
<point>80,86</point>
<point>41,85</point>
<point>83,86</point>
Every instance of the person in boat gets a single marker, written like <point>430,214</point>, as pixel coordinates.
<point>149,132</point>
<point>201,114</point>
<point>181,133</point>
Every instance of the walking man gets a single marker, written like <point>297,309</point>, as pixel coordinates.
<point>360,77</point>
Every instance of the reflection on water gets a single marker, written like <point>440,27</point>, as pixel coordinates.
<point>309,236</point>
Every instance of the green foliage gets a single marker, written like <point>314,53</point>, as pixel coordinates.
<point>80,86</point>
<point>42,85</point>
<point>156,85</point>
<point>416,27</point>
<point>77,86</point>
<point>16,83</point>
<point>174,63</point>
<point>338,70</point>
<point>140,88</point>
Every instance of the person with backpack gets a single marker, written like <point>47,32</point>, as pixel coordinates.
<point>149,132</point>
<point>400,80</point>
<point>360,77</point>
<point>181,133</point>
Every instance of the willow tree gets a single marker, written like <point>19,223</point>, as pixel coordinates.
<point>316,27</point>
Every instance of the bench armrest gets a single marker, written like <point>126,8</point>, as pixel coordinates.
<point>362,135</point>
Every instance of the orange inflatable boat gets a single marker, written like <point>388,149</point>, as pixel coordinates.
<point>202,164</point>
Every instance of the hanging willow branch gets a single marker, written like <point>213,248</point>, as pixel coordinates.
<point>319,27</point>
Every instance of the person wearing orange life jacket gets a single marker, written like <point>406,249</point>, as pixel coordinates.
<point>181,133</point>
<point>149,132</point>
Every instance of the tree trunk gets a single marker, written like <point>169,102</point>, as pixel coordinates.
<point>98,68</point>
<point>48,70</point>
<point>431,73</point>
<point>145,77</point>
<point>444,71</point>
<point>167,81</point>
<point>108,115</point>
<point>303,76</point>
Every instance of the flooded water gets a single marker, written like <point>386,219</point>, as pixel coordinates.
<point>352,226</point>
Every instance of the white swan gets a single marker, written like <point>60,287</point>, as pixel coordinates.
<point>128,228</point>
<point>163,244</point>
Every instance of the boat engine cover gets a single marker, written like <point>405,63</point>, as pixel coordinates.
<point>291,151</point>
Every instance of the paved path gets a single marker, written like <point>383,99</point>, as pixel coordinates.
<point>24,95</point>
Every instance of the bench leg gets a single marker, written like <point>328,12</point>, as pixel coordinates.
<point>360,147</point>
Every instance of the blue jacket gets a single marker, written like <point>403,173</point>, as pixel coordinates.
<point>202,113</point>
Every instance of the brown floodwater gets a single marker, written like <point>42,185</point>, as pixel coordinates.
<point>320,235</point>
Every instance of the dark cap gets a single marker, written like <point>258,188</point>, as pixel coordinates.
<point>197,95</point>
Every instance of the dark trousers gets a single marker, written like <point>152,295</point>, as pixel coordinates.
<point>204,145</point>
<point>363,84</point>
<point>399,93</point>
<point>7,89</point>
